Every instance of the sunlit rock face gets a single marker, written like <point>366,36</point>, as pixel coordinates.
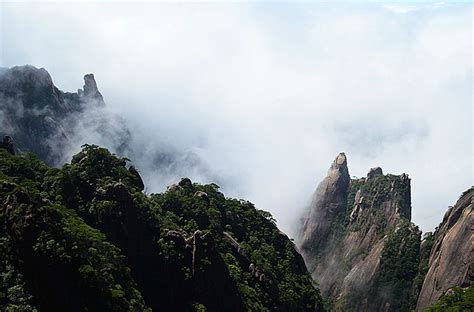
<point>353,230</point>
<point>329,201</point>
<point>451,261</point>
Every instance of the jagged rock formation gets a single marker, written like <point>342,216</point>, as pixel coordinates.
<point>54,124</point>
<point>352,238</point>
<point>451,261</point>
<point>90,91</point>
<point>42,119</point>
<point>329,201</point>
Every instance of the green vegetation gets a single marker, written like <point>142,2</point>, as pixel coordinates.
<point>455,300</point>
<point>376,191</point>
<point>399,265</point>
<point>425,250</point>
<point>371,207</point>
<point>85,238</point>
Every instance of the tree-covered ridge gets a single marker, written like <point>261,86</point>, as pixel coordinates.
<point>51,260</point>
<point>399,266</point>
<point>85,235</point>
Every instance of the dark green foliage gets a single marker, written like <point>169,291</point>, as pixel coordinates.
<point>376,191</point>
<point>285,284</point>
<point>51,259</point>
<point>399,265</point>
<point>425,250</point>
<point>455,300</point>
<point>85,238</point>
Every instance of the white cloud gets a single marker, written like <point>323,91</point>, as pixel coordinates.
<point>268,94</point>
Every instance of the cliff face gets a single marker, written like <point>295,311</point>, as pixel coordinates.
<point>451,261</point>
<point>328,202</point>
<point>354,231</point>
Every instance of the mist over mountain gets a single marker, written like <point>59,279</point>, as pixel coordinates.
<point>173,156</point>
<point>284,86</point>
<point>356,239</point>
<point>54,124</point>
<point>359,243</point>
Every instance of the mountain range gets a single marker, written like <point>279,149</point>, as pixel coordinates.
<point>80,234</point>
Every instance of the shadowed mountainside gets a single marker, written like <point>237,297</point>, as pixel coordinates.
<point>85,237</point>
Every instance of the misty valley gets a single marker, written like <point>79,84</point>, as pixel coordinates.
<point>82,232</point>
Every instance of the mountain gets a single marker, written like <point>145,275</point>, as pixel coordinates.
<point>358,241</point>
<point>54,125</point>
<point>359,244</point>
<point>450,262</point>
<point>45,120</point>
<point>86,238</point>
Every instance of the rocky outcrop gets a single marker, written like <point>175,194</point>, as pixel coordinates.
<point>352,231</point>
<point>374,172</point>
<point>7,143</point>
<point>329,201</point>
<point>90,91</point>
<point>451,261</point>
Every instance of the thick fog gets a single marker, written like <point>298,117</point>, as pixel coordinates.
<point>260,98</point>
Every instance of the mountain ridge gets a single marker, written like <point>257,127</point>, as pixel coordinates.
<point>357,240</point>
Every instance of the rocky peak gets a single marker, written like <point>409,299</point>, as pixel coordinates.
<point>346,232</point>
<point>31,88</point>
<point>374,172</point>
<point>42,118</point>
<point>340,163</point>
<point>90,90</point>
<point>329,200</point>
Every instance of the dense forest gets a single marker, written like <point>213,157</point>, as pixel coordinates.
<point>86,238</point>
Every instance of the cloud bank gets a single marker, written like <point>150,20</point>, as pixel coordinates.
<point>262,97</point>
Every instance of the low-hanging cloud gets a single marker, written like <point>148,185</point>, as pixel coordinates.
<point>261,97</point>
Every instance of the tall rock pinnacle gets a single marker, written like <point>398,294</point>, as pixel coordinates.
<point>329,200</point>
<point>355,231</point>
<point>90,91</point>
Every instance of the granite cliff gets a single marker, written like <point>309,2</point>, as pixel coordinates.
<point>451,256</point>
<point>353,235</point>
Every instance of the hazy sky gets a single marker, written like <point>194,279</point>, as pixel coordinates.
<point>267,94</point>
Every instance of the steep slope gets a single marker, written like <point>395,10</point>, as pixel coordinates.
<point>354,235</point>
<point>451,261</point>
<point>85,237</point>
<point>329,201</point>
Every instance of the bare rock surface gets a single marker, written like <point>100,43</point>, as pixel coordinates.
<point>451,261</point>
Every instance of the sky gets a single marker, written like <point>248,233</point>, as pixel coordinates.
<point>266,94</point>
